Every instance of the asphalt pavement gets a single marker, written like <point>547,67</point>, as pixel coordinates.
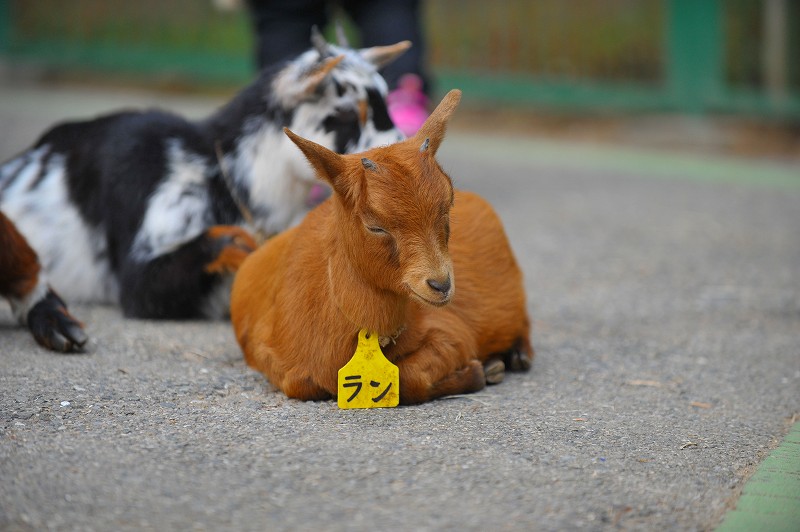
<point>665,292</point>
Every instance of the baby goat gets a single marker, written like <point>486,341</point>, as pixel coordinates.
<point>150,209</point>
<point>33,302</point>
<point>386,253</point>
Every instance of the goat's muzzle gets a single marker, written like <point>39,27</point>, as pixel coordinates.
<point>436,291</point>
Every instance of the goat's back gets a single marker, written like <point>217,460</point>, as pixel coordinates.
<point>489,290</point>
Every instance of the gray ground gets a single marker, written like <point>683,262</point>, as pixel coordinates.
<point>667,329</point>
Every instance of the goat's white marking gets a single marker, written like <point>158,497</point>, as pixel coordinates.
<point>277,175</point>
<point>372,138</point>
<point>12,167</point>
<point>177,211</point>
<point>21,307</point>
<point>26,167</point>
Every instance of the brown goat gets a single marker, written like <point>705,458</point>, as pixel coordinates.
<point>380,254</point>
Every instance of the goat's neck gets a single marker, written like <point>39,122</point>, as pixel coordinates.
<point>245,113</point>
<point>361,304</point>
<point>249,145</point>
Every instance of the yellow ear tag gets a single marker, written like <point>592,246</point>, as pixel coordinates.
<point>369,380</point>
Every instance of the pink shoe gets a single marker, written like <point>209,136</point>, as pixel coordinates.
<point>408,105</point>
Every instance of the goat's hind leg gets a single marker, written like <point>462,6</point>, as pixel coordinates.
<point>518,358</point>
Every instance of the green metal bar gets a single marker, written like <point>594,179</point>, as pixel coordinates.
<point>694,62</point>
<point>201,66</point>
<point>624,96</point>
<point>570,95</point>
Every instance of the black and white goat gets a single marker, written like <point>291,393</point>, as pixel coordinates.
<point>157,212</point>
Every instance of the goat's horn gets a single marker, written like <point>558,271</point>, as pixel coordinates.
<point>319,41</point>
<point>368,164</point>
<point>341,36</point>
<point>425,145</point>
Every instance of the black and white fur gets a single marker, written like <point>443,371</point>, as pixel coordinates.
<point>119,207</point>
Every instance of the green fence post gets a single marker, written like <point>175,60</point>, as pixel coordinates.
<point>5,25</point>
<point>694,53</point>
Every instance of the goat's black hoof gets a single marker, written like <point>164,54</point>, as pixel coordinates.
<point>517,360</point>
<point>54,327</point>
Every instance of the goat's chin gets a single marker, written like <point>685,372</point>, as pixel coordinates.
<point>432,302</point>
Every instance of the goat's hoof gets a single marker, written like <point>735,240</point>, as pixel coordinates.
<point>54,327</point>
<point>517,360</point>
<point>495,371</point>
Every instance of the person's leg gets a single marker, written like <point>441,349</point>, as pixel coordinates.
<point>383,22</point>
<point>283,28</point>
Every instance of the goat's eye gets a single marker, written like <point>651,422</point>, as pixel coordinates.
<point>374,229</point>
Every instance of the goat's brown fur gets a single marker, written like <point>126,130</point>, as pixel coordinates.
<point>379,255</point>
<point>19,265</point>
<point>236,245</point>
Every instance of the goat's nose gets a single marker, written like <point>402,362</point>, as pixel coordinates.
<point>440,286</point>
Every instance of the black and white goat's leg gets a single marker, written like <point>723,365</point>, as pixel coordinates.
<point>189,282</point>
<point>33,302</point>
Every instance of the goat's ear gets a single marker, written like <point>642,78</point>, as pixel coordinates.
<point>297,82</point>
<point>312,79</point>
<point>319,42</point>
<point>329,165</point>
<point>430,135</point>
<point>380,56</point>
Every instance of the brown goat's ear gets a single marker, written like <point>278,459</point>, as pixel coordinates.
<point>329,165</point>
<point>431,133</point>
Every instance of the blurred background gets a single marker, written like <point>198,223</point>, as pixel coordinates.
<point>721,75</point>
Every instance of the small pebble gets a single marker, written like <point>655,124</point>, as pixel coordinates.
<point>64,403</point>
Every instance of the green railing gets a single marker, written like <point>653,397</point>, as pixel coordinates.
<point>732,56</point>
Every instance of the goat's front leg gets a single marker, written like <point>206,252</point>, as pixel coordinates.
<point>179,284</point>
<point>53,326</point>
<point>444,364</point>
